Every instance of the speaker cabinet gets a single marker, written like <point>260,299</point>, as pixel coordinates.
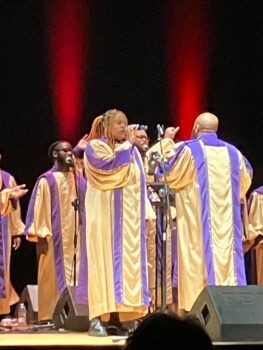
<point>29,297</point>
<point>69,314</point>
<point>231,313</point>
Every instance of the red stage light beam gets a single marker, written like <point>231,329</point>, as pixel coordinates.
<point>67,44</point>
<point>188,52</point>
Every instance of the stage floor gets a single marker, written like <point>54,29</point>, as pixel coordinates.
<point>81,340</point>
<point>59,340</point>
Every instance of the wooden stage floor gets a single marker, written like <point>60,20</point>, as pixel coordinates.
<point>81,340</point>
<point>72,340</point>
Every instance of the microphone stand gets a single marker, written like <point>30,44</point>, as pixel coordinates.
<point>77,215</point>
<point>166,218</point>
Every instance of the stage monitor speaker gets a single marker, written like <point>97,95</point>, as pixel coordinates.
<point>29,297</point>
<point>231,313</point>
<point>69,314</point>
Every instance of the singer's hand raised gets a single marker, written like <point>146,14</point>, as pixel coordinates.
<point>131,131</point>
<point>171,132</point>
<point>83,142</point>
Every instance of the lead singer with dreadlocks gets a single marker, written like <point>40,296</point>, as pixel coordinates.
<point>116,224</point>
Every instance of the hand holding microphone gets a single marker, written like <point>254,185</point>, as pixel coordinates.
<point>70,161</point>
<point>142,127</point>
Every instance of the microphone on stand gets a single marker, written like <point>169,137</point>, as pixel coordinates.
<point>77,217</point>
<point>71,163</point>
<point>160,131</point>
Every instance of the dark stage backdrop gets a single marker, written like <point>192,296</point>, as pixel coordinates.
<point>126,53</point>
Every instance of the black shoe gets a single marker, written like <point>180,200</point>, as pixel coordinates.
<point>123,331</point>
<point>112,330</point>
<point>119,331</point>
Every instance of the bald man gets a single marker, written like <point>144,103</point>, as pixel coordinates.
<point>210,177</point>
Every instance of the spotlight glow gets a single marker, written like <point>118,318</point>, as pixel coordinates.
<point>66,36</point>
<point>188,61</point>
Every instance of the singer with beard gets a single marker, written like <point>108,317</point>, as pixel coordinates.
<point>50,222</point>
<point>142,141</point>
<point>142,144</point>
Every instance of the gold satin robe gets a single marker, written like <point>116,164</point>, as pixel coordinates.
<point>115,233</point>
<point>40,226</point>
<point>209,232</point>
<point>256,226</point>
<point>15,227</point>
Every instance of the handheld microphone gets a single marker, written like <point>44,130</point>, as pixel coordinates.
<point>142,127</point>
<point>69,160</point>
<point>145,147</point>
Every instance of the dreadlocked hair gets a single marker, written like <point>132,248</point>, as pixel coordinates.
<point>102,126</point>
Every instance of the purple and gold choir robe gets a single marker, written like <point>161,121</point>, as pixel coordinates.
<point>5,203</point>
<point>116,231</point>
<point>10,225</point>
<point>210,178</point>
<point>255,218</point>
<point>51,215</point>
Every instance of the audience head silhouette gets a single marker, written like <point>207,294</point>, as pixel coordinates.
<point>169,331</point>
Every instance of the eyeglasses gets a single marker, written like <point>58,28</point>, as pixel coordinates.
<point>64,150</point>
<point>142,138</point>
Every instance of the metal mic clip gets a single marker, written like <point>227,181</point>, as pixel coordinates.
<point>160,130</point>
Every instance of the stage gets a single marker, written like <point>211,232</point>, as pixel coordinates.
<point>58,340</point>
<point>81,340</point>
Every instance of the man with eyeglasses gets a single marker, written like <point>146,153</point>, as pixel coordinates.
<point>53,222</point>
